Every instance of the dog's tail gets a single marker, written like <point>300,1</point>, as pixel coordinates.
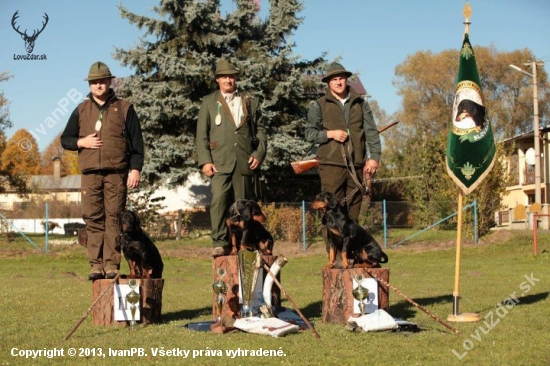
<point>383,258</point>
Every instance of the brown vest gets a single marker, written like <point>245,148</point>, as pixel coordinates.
<point>113,154</point>
<point>333,119</point>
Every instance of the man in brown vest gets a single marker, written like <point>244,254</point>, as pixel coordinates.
<point>106,133</point>
<point>343,117</point>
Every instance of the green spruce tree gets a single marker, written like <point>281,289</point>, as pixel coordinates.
<point>174,66</point>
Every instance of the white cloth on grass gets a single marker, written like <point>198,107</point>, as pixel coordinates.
<point>376,321</point>
<point>269,326</point>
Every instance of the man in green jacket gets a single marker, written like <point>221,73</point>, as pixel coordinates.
<point>228,120</point>
<point>343,117</point>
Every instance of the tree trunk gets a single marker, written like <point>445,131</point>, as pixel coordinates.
<point>231,306</point>
<point>150,291</point>
<point>338,301</point>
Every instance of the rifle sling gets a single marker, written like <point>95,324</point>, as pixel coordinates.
<point>351,168</point>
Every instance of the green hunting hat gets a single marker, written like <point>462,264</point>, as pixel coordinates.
<point>99,70</point>
<point>333,70</point>
<point>223,67</point>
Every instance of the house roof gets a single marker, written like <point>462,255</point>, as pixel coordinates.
<point>50,183</point>
<point>526,135</point>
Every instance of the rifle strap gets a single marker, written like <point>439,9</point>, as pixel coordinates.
<point>351,169</point>
<point>251,125</point>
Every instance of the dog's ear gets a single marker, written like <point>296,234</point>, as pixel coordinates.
<point>119,220</point>
<point>332,201</point>
<point>246,213</point>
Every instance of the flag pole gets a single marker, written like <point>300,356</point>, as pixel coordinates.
<point>455,316</point>
<point>470,147</point>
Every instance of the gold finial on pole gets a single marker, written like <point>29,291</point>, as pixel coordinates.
<point>467,12</point>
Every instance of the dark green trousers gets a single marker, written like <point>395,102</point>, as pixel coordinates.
<point>338,181</point>
<point>226,189</point>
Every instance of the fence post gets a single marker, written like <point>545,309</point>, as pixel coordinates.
<point>475,221</point>
<point>304,225</point>
<point>385,223</point>
<point>46,226</point>
<point>178,225</point>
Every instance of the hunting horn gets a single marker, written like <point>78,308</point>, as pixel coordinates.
<point>268,284</point>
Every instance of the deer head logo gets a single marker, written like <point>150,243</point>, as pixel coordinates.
<point>29,40</point>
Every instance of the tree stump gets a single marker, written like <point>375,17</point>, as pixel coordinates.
<point>231,307</point>
<point>338,299</point>
<point>150,291</point>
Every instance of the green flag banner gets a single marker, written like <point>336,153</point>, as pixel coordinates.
<point>470,145</point>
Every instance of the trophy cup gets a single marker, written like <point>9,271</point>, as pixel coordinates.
<point>360,293</point>
<point>220,289</point>
<point>133,298</point>
<point>249,266</point>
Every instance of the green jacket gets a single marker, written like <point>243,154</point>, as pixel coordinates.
<point>327,113</point>
<point>227,146</point>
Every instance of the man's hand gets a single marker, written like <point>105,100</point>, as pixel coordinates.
<point>371,166</point>
<point>337,135</point>
<point>209,169</point>
<point>90,142</point>
<point>133,179</point>
<point>253,163</point>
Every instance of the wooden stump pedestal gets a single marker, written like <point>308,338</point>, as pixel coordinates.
<point>150,291</point>
<point>231,306</point>
<point>337,292</point>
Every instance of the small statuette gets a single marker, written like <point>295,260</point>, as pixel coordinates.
<point>98,125</point>
<point>218,120</point>
<point>133,298</point>
<point>220,289</point>
<point>360,293</point>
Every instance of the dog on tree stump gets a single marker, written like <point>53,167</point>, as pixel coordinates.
<point>246,230</point>
<point>139,250</point>
<point>346,236</point>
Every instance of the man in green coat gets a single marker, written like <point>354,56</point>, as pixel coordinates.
<point>228,120</point>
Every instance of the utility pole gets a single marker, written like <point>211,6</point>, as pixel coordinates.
<point>536,127</point>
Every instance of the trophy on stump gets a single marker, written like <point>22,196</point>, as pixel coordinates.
<point>360,293</point>
<point>220,289</point>
<point>133,298</point>
<point>249,266</point>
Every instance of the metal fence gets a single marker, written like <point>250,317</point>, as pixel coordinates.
<point>292,222</point>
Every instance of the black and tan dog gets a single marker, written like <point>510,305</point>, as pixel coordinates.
<point>246,230</point>
<point>139,250</point>
<point>346,236</point>
<point>470,109</point>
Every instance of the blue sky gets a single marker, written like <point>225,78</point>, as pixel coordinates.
<point>372,37</point>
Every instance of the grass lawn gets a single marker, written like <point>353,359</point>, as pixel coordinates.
<point>44,296</point>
